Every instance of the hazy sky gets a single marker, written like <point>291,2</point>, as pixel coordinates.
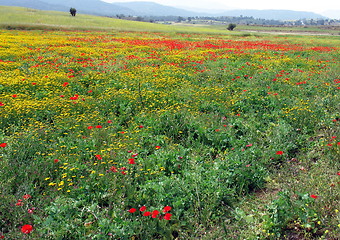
<point>299,5</point>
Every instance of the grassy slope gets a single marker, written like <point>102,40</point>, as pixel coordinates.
<point>25,18</point>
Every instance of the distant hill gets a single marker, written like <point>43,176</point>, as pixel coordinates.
<point>155,9</point>
<point>95,7</point>
<point>273,14</point>
<point>36,4</point>
<point>98,7</point>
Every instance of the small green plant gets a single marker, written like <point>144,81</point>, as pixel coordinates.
<point>291,213</point>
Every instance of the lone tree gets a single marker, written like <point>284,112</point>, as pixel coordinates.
<point>73,12</point>
<point>231,26</point>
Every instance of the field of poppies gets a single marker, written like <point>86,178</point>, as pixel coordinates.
<point>137,135</point>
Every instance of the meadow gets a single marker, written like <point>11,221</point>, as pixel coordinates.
<point>168,135</point>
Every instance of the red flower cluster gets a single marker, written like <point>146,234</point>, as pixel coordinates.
<point>20,202</point>
<point>154,213</point>
<point>313,196</point>
<point>26,229</point>
<point>75,97</point>
<point>132,161</point>
<point>3,145</point>
<point>27,196</point>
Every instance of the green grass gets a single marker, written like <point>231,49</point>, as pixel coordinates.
<point>25,18</point>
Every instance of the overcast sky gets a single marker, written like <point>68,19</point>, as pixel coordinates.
<point>298,5</point>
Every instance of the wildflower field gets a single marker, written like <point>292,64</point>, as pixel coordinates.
<point>137,135</point>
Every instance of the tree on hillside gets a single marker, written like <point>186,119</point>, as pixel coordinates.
<point>231,26</point>
<point>73,11</point>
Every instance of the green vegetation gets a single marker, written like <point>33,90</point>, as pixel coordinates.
<point>73,12</point>
<point>166,134</point>
<point>24,18</point>
<point>231,26</point>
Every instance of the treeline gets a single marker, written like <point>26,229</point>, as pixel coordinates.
<point>244,20</point>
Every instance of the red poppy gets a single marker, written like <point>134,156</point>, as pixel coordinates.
<point>167,209</point>
<point>142,209</point>
<point>167,216</point>
<point>249,145</point>
<point>62,96</point>
<point>1,104</point>
<point>132,210</point>
<point>141,126</point>
<point>89,127</point>
<point>113,169</point>
<point>99,157</point>
<point>155,213</point>
<point>27,196</point>
<point>338,173</point>
<point>89,91</point>
<point>109,121</point>
<point>132,161</point>
<point>279,152</point>
<point>33,83</point>
<point>65,84</point>
<point>56,160</point>
<point>99,126</point>
<point>313,196</point>
<point>74,98</point>
<point>146,214</point>
<point>26,229</point>
<point>3,145</point>
<point>157,147</point>
<point>14,95</point>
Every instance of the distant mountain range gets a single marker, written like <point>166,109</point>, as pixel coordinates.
<point>97,7</point>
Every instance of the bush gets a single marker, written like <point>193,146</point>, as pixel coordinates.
<point>231,26</point>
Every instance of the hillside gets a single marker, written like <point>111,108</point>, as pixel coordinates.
<point>97,7</point>
<point>27,18</point>
<point>155,9</point>
<point>274,14</point>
